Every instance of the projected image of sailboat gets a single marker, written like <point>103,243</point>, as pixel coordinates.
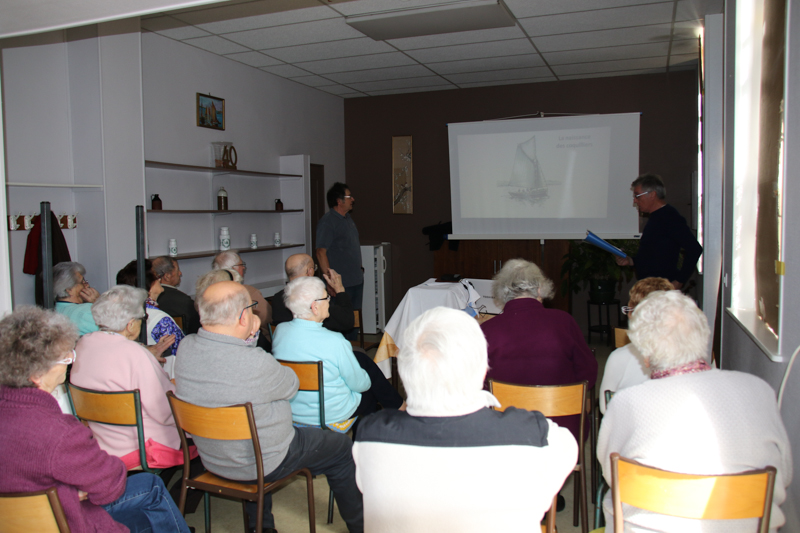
<point>527,181</point>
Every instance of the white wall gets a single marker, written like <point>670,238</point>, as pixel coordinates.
<point>739,352</point>
<point>266,118</point>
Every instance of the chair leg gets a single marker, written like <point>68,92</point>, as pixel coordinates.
<point>598,511</point>
<point>593,442</point>
<point>207,511</point>
<point>576,481</point>
<point>330,506</point>
<point>584,502</point>
<point>312,518</point>
<point>244,515</point>
<point>260,513</point>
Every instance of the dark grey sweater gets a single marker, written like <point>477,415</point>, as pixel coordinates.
<point>216,370</point>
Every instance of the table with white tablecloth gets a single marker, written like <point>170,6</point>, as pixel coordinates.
<point>420,299</point>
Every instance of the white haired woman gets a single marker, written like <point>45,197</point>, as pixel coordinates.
<point>690,417</point>
<point>40,447</point>
<point>532,345</point>
<point>111,360</point>
<point>354,385</point>
<point>74,295</point>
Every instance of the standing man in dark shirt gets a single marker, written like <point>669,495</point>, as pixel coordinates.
<point>338,246</point>
<point>664,236</point>
<point>173,301</point>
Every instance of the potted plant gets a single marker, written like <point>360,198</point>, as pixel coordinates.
<point>587,266</point>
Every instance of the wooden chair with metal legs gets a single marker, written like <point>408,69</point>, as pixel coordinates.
<point>554,400</point>
<point>700,497</point>
<point>235,422</point>
<point>24,512</point>
<point>310,375</point>
<point>117,408</point>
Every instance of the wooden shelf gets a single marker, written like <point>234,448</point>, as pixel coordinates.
<point>216,212</point>
<point>212,253</point>
<point>215,170</point>
<point>53,185</point>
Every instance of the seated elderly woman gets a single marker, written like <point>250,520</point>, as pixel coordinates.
<point>161,328</point>
<point>74,296</point>
<point>111,360</point>
<point>354,386</point>
<point>532,345</point>
<point>625,366</point>
<point>40,447</point>
<point>689,417</point>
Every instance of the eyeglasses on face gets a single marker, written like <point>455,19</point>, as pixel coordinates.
<point>627,310</point>
<point>255,303</point>
<point>326,299</point>
<point>242,264</point>
<point>68,360</point>
<point>350,196</point>
<point>635,196</point>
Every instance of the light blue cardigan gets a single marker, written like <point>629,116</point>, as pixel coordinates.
<point>304,340</point>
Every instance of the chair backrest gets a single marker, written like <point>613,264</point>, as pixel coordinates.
<point>550,400</point>
<point>621,337</point>
<point>723,497</point>
<point>310,375</point>
<point>23,512</point>
<point>117,408</point>
<point>234,422</point>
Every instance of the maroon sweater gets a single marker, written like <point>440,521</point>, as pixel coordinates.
<point>40,447</point>
<point>531,345</point>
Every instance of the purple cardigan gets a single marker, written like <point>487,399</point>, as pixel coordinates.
<point>40,447</point>
<point>531,345</point>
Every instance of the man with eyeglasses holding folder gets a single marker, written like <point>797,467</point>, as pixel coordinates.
<point>665,235</point>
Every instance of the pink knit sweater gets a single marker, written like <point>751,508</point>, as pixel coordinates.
<point>40,447</point>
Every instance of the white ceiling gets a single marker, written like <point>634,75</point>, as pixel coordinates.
<point>308,41</point>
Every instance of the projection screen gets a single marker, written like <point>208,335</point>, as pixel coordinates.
<point>544,178</point>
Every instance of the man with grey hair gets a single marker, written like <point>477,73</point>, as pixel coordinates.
<point>689,417</point>
<point>664,237</point>
<point>341,317</point>
<point>449,430</point>
<point>173,301</point>
<point>262,310</point>
<point>220,366</point>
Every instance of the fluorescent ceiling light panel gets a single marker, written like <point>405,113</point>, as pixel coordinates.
<point>449,17</point>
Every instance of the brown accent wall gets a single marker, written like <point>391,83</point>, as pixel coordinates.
<point>668,146</point>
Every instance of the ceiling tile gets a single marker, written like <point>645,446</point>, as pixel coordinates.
<point>330,50</point>
<point>285,71</point>
<point>698,9</point>
<point>411,71</point>
<point>413,90</point>
<point>604,38</point>
<point>682,59</point>
<point>506,82</point>
<point>344,64</point>
<point>527,8</point>
<point>473,51</point>
<point>489,63</point>
<point>318,31</point>
<point>186,32</point>
<point>611,66</point>
<point>462,37</point>
<point>601,19</point>
<point>216,45</point>
<point>427,81</point>
<point>496,75</point>
<point>607,54</point>
<point>364,7</point>
<point>613,74</point>
<point>312,81</point>
<point>269,20</point>
<point>338,89</point>
<point>686,46</point>
<point>254,59</point>
<point>231,10</point>
<point>172,28</point>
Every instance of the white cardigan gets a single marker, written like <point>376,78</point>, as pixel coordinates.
<point>712,422</point>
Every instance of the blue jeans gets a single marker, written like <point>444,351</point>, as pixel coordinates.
<point>146,506</point>
<point>322,452</point>
<point>356,294</point>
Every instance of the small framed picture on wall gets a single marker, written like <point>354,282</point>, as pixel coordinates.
<point>210,112</point>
